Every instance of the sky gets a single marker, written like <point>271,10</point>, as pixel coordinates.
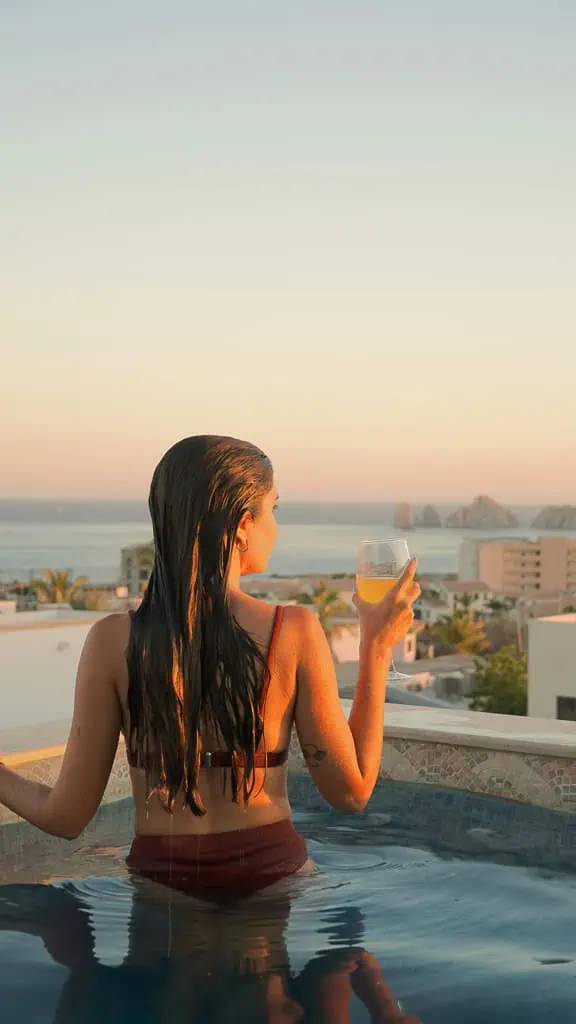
<point>344,231</point>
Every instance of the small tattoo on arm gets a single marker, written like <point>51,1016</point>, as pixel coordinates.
<point>313,755</point>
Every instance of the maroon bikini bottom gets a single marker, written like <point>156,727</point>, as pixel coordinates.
<point>222,865</point>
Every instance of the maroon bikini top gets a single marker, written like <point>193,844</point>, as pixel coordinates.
<point>225,758</point>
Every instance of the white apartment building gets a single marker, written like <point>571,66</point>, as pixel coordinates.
<point>468,559</point>
<point>136,565</point>
<point>345,644</point>
<point>552,667</point>
<point>476,594</point>
<point>445,596</point>
<point>469,556</point>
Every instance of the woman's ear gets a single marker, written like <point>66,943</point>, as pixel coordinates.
<point>242,542</point>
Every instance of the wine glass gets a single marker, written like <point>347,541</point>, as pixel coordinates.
<point>379,564</point>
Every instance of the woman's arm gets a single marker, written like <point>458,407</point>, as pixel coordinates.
<point>66,808</point>
<point>344,756</point>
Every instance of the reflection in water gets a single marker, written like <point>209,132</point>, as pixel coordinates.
<point>191,962</point>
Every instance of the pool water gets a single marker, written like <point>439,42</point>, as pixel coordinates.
<point>431,906</point>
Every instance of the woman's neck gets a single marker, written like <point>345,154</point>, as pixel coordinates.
<point>234,574</point>
<point>234,581</point>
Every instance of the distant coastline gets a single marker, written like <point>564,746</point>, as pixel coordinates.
<point>29,510</point>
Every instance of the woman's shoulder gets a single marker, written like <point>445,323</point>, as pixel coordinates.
<point>292,616</point>
<point>288,625</point>
<point>300,615</point>
<point>105,649</point>
<point>301,623</point>
<point>110,631</point>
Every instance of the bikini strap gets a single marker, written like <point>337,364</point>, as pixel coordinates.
<point>278,617</point>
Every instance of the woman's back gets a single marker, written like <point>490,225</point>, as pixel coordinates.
<point>275,630</point>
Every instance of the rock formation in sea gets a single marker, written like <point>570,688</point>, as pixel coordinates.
<point>428,518</point>
<point>556,517</point>
<point>483,514</point>
<point>403,517</point>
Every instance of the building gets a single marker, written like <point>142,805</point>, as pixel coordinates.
<point>430,609</point>
<point>468,560</point>
<point>552,667</point>
<point>473,594</point>
<point>517,567</point>
<point>17,596</point>
<point>468,555</point>
<point>421,693</point>
<point>345,642</point>
<point>451,677</point>
<point>442,597</point>
<point>136,566</point>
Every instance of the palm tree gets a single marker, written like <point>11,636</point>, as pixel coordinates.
<point>461,632</point>
<point>498,606</point>
<point>58,587</point>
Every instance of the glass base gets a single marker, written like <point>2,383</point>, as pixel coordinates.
<point>397,677</point>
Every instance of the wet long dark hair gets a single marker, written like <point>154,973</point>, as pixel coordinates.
<point>191,667</point>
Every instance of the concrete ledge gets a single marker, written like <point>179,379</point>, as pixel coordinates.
<point>476,729</point>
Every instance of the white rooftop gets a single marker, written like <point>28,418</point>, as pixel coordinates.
<point>38,663</point>
<point>54,615</point>
<point>467,586</point>
<point>560,620</point>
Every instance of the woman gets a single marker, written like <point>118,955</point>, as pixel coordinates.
<point>206,682</point>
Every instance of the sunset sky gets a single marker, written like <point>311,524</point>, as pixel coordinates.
<point>346,231</point>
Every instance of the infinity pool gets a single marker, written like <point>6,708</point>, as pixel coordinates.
<point>432,906</point>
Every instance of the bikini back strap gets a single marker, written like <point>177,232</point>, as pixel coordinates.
<point>278,617</point>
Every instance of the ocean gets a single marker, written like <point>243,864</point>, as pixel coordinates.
<point>87,537</point>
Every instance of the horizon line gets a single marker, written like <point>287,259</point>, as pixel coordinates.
<point>293,501</point>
